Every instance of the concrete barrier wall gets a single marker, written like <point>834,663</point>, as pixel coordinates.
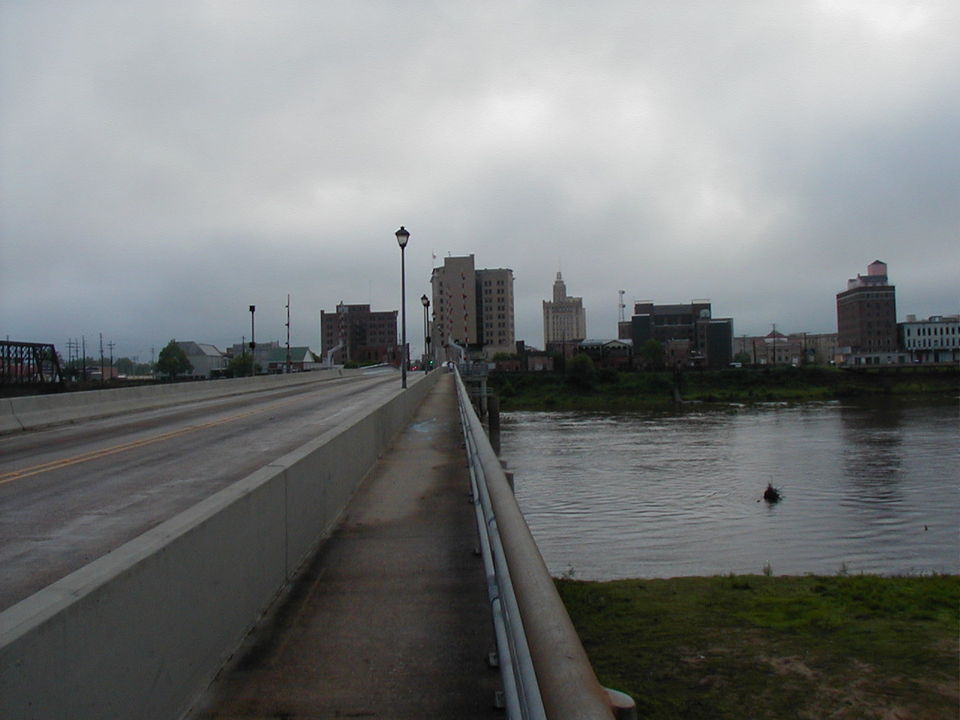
<point>143,630</point>
<point>32,411</point>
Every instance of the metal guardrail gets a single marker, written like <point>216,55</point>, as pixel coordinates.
<point>545,670</point>
<point>521,693</point>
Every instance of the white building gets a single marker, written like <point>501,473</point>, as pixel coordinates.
<point>564,319</point>
<point>204,358</point>
<point>934,340</point>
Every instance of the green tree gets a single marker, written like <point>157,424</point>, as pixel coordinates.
<point>582,372</point>
<point>559,362</point>
<point>742,357</point>
<point>124,366</point>
<point>173,360</point>
<point>652,354</point>
<point>240,365</point>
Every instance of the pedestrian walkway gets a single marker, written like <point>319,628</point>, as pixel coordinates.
<point>391,618</point>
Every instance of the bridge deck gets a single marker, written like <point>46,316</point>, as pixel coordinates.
<point>391,618</point>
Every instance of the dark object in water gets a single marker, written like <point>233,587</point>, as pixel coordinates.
<point>771,494</point>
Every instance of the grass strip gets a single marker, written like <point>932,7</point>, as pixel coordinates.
<point>756,646</point>
<point>612,391</point>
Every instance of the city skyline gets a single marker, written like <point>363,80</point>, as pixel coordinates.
<point>168,165</point>
<point>415,336</point>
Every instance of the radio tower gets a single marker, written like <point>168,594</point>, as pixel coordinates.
<point>622,306</point>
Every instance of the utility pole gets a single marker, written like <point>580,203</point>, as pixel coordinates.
<point>73,347</point>
<point>288,332</point>
<point>101,358</point>
<point>111,345</point>
<point>774,343</point>
<point>253,342</point>
<point>83,361</point>
<point>622,306</point>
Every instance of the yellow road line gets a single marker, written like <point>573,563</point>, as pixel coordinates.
<point>96,454</point>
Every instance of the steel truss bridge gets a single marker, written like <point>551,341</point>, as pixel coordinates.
<point>23,363</point>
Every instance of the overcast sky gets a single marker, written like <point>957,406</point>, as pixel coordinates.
<point>164,165</point>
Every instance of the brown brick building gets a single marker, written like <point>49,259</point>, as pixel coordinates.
<point>867,313</point>
<point>364,337</point>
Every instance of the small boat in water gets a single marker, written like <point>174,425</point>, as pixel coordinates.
<point>771,494</point>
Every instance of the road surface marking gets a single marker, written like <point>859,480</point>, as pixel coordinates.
<point>96,454</point>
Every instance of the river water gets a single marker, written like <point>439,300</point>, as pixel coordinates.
<point>867,487</point>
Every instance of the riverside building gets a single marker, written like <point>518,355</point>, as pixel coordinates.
<point>867,319</point>
<point>564,319</point>
<point>934,340</point>
<point>689,333</point>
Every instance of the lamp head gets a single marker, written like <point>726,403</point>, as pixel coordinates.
<point>425,301</point>
<point>402,236</point>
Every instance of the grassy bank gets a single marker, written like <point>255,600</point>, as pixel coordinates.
<point>845,647</point>
<point>611,391</point>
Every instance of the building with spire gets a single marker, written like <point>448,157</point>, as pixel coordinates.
<point>564,319</point>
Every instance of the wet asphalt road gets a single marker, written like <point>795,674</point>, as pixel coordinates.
<point>72,493</point>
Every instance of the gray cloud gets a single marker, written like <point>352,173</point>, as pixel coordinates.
<point>166,165</point>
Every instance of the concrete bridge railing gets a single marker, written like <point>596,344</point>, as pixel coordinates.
<point>33,411</point>
<point>140,632</point>
<point>546,672</point>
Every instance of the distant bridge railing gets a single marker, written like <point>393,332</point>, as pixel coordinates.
<point>545,670</point>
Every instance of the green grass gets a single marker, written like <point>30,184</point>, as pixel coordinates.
<point>850,647</point>
<point>611,391</point>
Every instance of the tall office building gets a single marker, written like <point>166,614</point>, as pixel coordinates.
<point>564,319</point>
<point>454,303</point>
<point>495,311</point>
<point>471,308</point>
<point>867,313</point>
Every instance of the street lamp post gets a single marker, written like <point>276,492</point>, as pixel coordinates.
<point>402,237</point>
<point>425,301</point>
<point>253,344</point>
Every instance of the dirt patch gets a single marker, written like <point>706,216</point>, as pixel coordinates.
<point>791,666</point>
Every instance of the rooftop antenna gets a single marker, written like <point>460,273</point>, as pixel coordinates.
<point>622,306</point>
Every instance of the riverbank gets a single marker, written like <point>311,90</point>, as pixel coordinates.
<point>612,391</point>
<point>850,647</point>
